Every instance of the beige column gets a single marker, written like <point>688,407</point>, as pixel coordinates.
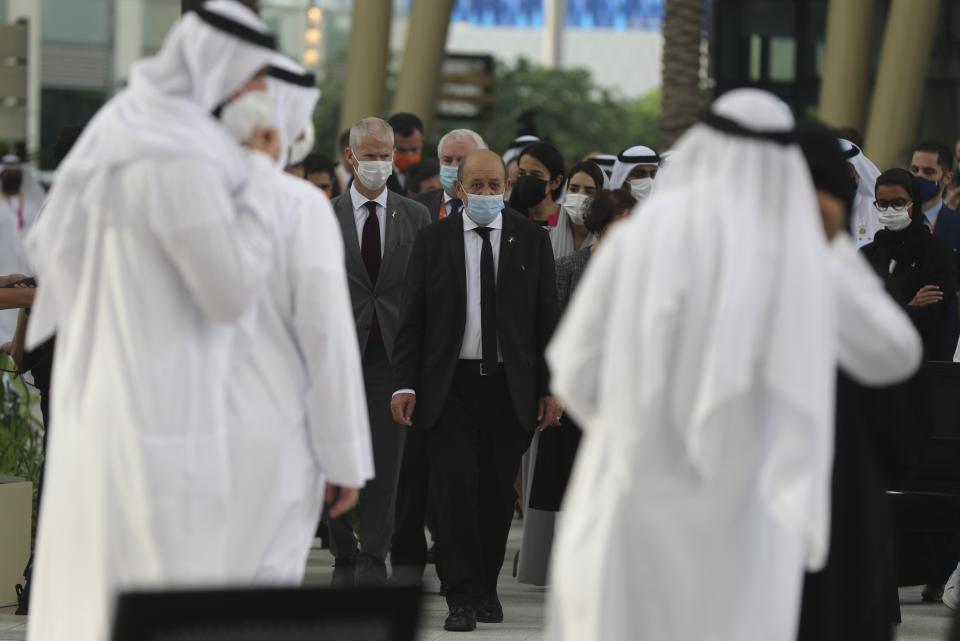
<point>554,19</point>
<point>367,61</point>
<point>901,80</point>
<point>420,74</point>
<point>846,67</point>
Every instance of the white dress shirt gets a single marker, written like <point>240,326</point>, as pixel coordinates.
<point>360,213</point>
<point>471,348</point>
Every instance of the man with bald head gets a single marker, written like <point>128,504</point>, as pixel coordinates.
<point>378,230</point>
<point>479,307</point>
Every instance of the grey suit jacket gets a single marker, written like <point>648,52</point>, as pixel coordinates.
<point>403,219</point>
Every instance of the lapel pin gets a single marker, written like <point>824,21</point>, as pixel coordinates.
<point>393,214</point>
<point>511,240</point>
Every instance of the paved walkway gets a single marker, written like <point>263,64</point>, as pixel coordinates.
<point>523,609</point>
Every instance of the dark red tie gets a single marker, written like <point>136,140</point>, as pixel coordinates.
<point>370,252</point>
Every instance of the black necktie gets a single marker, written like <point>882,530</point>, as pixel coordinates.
<point>454,206</point>
<point>370,252</point>
<point>488,303</point>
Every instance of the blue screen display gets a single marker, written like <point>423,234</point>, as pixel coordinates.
<point>581,14</point>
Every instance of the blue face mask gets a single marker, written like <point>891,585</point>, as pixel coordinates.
<point>448,175</point>
<point>929,189</point>
<point>484,209</point>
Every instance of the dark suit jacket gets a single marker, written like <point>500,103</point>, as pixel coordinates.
<point>431,200</point>
<point>948,230</point>
<point>393,184</point>
<point>433,314</point>
<point>403,218</point>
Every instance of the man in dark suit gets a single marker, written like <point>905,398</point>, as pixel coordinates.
<point>931,163</point>
<point>409,551</point>
<point>378,230</point>
<point>479,307</point>
<point>453,148</point>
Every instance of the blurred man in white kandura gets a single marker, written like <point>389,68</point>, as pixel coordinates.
<point>152,244</point>
<point>298,411</point>
<point>699,355</point>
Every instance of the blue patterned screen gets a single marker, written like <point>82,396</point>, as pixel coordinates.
<point>581,14</point>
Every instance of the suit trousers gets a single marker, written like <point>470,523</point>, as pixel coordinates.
<point>416,505</point>
<point>474,452</point>
<point>378,498</point>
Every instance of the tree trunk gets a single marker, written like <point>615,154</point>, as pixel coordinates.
<point>682,32</point>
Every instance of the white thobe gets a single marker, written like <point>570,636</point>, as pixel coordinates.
<point>12,261</point>
<point>298,411</point>
<point>137,480</point>
<point>672,556</point>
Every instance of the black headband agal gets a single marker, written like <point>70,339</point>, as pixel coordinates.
<point>853,152</point>
<point>242,31</point>
<point>728,126</point>
<point>604,162</point>
<point>307,80</point>
<point>638,160</point>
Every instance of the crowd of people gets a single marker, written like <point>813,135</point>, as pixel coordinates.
<point>692,372</point>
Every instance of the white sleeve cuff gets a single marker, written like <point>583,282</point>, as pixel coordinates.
<point>404,391</point>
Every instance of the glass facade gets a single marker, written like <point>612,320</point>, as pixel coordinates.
<point>581,14</point>
<point>70,21</point>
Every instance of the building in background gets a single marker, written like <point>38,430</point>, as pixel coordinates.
<point>781,46</point>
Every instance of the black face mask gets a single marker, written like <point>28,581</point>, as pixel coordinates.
<point>11,182</point>
<point>528,192</point>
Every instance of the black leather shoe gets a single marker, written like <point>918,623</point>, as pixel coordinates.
<point>344,571</point>
<point>490,611</point>
<point>460,619</point>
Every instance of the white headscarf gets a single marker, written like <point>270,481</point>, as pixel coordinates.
<point>513,151</point>
<point>33,194</point>
<point>165,112</point>
<point>633,157</point>
<point>719,290</point>
<point>864,219</point>
<point>295,97</point>
<point>606,163</point>
<point>561,236</point>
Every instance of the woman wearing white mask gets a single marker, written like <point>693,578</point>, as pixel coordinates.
<point>917,268</point>
<point>553,452</point>
<point>586,179</point>
<point>635,170</point>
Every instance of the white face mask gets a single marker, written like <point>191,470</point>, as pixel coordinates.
<point>373,174</point>
<point>301,148</point>
<point>895,219</point>
<point>640,188</point>
<point>574,205</point>
<point>242,116</point>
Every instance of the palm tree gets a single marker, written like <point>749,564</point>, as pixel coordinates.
<point>682,34</point>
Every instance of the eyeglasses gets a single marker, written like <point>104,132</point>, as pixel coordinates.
<point>896,203</point>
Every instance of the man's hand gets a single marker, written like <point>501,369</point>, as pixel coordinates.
<point>343,499</point>
<point>267,140</point>
<point>10,279</point>
<point>402,406</point>
<point>549,412</point>
<point>928,295</point>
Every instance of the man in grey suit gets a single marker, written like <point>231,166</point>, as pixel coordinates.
<point>378,228</point>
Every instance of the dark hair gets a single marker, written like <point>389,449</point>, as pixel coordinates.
<point>944,155</point>
<point>590,168</point>
<point>405,124</point>
<point>551,158</point>
<point>314,163</point>
<point>604,206</point>
<point>898,177</point>
<point>344,140</point>
<point>423,170</point>
<point>68,137</point>
<point>851,134</point>
<point>826,162</point>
